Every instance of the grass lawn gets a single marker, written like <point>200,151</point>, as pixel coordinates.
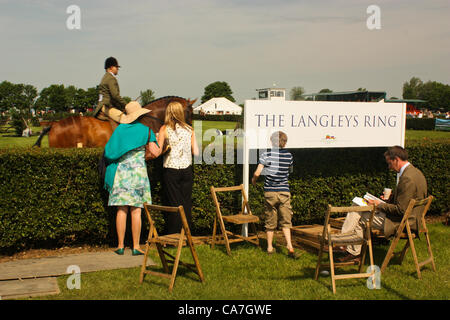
<point>252,274</point>
<point>427,135</point>
<point>8,140</point>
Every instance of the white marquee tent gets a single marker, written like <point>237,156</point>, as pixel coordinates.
<point>218,106</point>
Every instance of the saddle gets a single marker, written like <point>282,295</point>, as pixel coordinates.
<point>103,117</point>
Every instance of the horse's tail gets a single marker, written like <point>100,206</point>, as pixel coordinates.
<point>43,133</point>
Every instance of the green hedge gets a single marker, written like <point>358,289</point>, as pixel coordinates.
<point>420,123</point>
<point>54,197</point>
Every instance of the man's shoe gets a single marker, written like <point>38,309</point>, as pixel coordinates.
<point>350,258</point>
<point>340,249</point>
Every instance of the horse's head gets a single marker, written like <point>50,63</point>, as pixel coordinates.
<point>155,119</point>
<point>188,110</point>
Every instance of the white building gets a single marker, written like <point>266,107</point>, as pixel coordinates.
<point>272,94</point>
<point>218,106</point>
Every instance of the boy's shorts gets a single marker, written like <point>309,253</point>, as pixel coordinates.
<point>278,210</point>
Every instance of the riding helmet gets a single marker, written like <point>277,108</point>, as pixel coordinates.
<point>111,62</point>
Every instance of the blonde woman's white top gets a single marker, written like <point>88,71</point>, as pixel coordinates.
<point>180,155</point>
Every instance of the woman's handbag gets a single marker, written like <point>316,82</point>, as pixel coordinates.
<point>166,146</point>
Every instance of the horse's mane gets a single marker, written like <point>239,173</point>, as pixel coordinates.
<point>167,97</point>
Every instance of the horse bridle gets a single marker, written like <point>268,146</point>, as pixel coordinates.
<point>155,118</point>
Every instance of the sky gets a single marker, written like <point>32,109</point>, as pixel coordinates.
<point>179,47</point>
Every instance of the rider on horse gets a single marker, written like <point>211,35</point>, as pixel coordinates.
<point>110,103</point>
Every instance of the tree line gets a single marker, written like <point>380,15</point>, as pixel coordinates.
<point>23,98</point>
<point>436,94</point>
<point>57,97</point>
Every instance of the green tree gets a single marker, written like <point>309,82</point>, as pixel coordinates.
<point>56,98</point>
<point>326,90</point>
<point>436,94</point>
<point>6,88</point>
<point>42,101</point>
<point>297,93</point>
<point>71,97</point>
<point>412,88</point>
<point>146,96</point>
<point>17,96</point>
<point>217,89</point>
<point>127,99</point>
<point>91,97</point>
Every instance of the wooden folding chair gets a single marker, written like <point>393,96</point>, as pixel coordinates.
<point>244,216</point>
<point>176,239</point>
<point>345,239</point>
<point>409,237</point>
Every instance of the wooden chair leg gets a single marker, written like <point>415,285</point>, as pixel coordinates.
<point>403,253</point>
<point>316,274</point>
<point>430,253</point>
<point>196,260</point>
<point>372,265</point>
<point>255,231</point>
<point>213,240</point>
<point>370,253</point>
<point>390,253</point>
<point>225,236</point>
<point>144,263</point>
<point>333,280</point>
<point>413,250</point>
<point>363,257</point>
<point>162,256</point>
<point>176,262</point>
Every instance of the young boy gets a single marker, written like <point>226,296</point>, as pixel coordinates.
<point>275,165</point>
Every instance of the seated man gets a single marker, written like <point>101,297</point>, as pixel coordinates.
<point>411,184</point>
<point>110,102</point>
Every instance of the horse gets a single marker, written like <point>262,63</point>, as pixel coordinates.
<point>91,132</point>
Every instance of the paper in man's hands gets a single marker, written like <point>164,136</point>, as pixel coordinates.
<point>363,201</point>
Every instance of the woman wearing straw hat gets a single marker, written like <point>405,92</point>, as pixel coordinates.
<point>126,176</point>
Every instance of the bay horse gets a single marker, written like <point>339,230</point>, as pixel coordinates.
<point>92,132</point>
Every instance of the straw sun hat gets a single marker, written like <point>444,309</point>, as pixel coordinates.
<point>133,111</point>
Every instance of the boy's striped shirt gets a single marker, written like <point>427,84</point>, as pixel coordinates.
<point>277,163</point>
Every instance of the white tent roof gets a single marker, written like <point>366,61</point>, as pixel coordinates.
<point>219,104</point>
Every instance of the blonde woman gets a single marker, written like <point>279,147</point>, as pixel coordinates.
<point>178,171</point>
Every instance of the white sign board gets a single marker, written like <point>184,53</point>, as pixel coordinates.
<point>324,124</point>
<point>321,124</point>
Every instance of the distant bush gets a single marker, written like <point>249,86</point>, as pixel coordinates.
<point>420,123</point>
<point>218,117</point>
<point>17,123</point>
